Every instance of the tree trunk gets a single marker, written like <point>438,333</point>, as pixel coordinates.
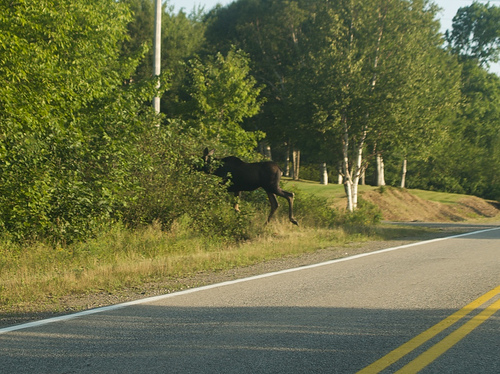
<point>380,171</point>
<point>358,170</point>
<point>403,174</point>
<point>323,173</point>
<point>348,192</point>
<point>287,161</point>
<point>265,150</point>
<point>296,164</point>
<point>340,179</point>
<point>345,167</point>
<point>352,175</point>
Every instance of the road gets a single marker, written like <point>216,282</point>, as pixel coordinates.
<point>432,306</point>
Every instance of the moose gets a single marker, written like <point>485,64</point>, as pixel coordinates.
<point>250,176</point>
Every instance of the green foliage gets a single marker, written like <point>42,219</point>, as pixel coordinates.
<point>475,33</point>
<point>351,77</point>
<point>367,214</point>
<point>78,145</point>
<point>182,36</point>
<point>171,189</point>
<point>68,124</point>
<point>468,159</point>
<point>270,32</point>
<point>315,211</point>
<point>222,94</point>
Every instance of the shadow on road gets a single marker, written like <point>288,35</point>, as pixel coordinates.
<point>154,339</point>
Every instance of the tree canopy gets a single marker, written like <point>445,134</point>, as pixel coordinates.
<point>344,81</point>
<point>476,33</point>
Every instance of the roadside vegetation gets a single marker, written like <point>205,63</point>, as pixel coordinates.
<point>118,257</point>
<point>99,193</point>
<point>37,276</point>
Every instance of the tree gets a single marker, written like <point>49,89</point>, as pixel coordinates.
<point>471,155</point>
<point>376,79</point>
<point>68,123</point>
<point>222,94</point>
<point>475,33</point>
<point>467,161</point>
<point>270,32</point>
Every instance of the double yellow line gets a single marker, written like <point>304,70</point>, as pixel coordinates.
<point>442,346</point>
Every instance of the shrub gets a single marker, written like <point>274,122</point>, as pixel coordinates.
<point>366,214</point>
<point>313,210</point>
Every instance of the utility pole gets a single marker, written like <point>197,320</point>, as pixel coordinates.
<point>157,54</point>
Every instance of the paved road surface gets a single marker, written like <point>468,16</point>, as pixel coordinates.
<point>339,317</point>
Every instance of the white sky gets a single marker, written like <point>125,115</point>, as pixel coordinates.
<point>449,9</point>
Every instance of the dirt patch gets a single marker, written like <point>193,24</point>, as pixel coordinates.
<point>402,206</point>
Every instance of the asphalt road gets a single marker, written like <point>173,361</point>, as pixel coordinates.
<point>432,306</point>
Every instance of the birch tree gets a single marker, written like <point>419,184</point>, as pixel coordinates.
<point>419,86</point>
<point>346,78</point>
<point>377,80</point>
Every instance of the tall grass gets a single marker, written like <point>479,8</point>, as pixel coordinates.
<point>121,258</point>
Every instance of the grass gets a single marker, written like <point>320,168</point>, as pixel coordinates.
<point>37,275</point>
<point>440,197</point>
<point>330,191</point>
<point>336,196</point>
<point>337,191</point>
<point>120,258</point>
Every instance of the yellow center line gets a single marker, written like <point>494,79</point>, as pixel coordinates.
<point>441,347</point>
<point>420,339</point>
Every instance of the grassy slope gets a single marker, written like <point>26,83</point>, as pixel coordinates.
<point>407,205</point>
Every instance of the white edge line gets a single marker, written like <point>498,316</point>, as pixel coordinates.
<point>227,283</point>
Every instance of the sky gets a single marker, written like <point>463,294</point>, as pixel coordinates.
<point>449,9</point>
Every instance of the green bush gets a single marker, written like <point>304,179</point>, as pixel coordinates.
<point>313,210</point>
<point>366,214</point>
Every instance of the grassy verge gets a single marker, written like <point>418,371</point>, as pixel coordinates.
<point>122,258</point>
<point>336,191</point>
<point>440,197</point>
<point>35,277</point>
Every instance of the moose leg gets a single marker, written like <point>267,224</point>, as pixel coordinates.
<point>274,204</point>
<point>289,197</point>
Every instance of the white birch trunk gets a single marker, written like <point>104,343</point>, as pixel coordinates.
<point>287,161</point>
<point>345,167</point>
<point>157,55</point>
<point>403,174</point>
<point>348,192</point>
<point>296,164</point>
<point>348,173</point>
<point>357,170</point>
<point>265,150</point>
<point>380,171</point>
<point>323,171</point>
